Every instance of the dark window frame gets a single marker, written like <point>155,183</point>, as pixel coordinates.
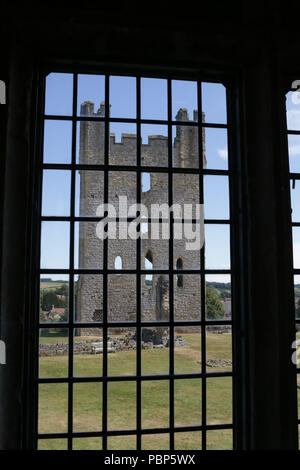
<point>236,241</point>
<point>293,177</point>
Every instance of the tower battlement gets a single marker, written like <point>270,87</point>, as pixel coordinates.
<point>154,152</point>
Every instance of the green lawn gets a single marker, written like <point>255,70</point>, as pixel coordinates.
<point>87,397</point>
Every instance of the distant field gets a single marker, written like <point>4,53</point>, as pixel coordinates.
<point>48,285</point>
<point>53,398</point>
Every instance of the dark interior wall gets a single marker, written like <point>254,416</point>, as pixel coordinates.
<point>257,43</point>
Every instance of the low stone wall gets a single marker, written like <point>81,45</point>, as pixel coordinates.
<point>62,348</point>
<point>219,329</point>
<point>151,339</point>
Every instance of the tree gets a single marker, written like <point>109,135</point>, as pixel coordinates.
<point>50,298</point>
<point>214,307</point>
<point>63,290</point>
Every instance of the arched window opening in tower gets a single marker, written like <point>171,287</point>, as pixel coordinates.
<point>149,265</point>
<point>118,262</point>
<point>179,277</point>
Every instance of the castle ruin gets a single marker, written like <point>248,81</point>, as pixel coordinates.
<point>122,253</point>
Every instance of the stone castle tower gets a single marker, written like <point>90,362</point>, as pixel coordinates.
<point>122,253</point>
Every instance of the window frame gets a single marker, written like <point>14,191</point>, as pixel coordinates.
<point>236,245</point>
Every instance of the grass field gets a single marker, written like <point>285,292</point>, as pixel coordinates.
<point>87,397</point>
<point>49,285</point>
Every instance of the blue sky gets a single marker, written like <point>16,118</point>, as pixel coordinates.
<point>57,149</point>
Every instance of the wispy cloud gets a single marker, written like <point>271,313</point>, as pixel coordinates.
<point>223,153</point>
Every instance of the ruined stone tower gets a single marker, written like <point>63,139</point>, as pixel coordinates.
<point>122,253</point>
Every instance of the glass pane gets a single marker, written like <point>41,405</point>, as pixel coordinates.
<point>218,297</point>
<point>295,200</point>
<point>121,405</point>
<point>59,94</point>
<point>57,141</point>
<point>298,389</point>
<point>294,153</point>
<point>158,248</point>
<point>187,297</point>
<point>219,400</point>
<point>121,297</point>
<point>187,402</point>
<point>122,144</point>
<point>154,98</point>
<point>156,442</point>
<point>88,247</point>
<point>53,408</point>
<point>296,246</point>
<point>54,298</point>
<point>122,443</point>
<point>52,444</point>
<point>155,296</point>
<point>56,193</point>
<point>217,246</point>
<point>87,406</point>
<point>185,96</point>
<point>87,443</point>
<point>219,348</point>
<point>90,141</point>
<point>89,192</point>
<point>88,295</point>
<point>155,404</point>
<point>187,350</point>
<point>186,191</point>
<point>185,145</point>
<point>216,197</point>
<point>53,352</point>
<point>297,298</point>
<point>55,245</point>
<point>214,102</point>
<point>292,111</point>
<point>91,89</point>
<point>219,439</point>
<point>87,352</point>
<point>154,145</point>
<point>121,348</point>
<point>155,351</point>
<point>188,440</point>
<point>216,148</point>
<point>122,97</point>
<point>155,194</point>
<point>122,252</point>
<point>186,248</point>
<point>122,183</point>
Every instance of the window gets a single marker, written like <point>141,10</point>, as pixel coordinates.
<point>293,136</point>
<point>169,383</point>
